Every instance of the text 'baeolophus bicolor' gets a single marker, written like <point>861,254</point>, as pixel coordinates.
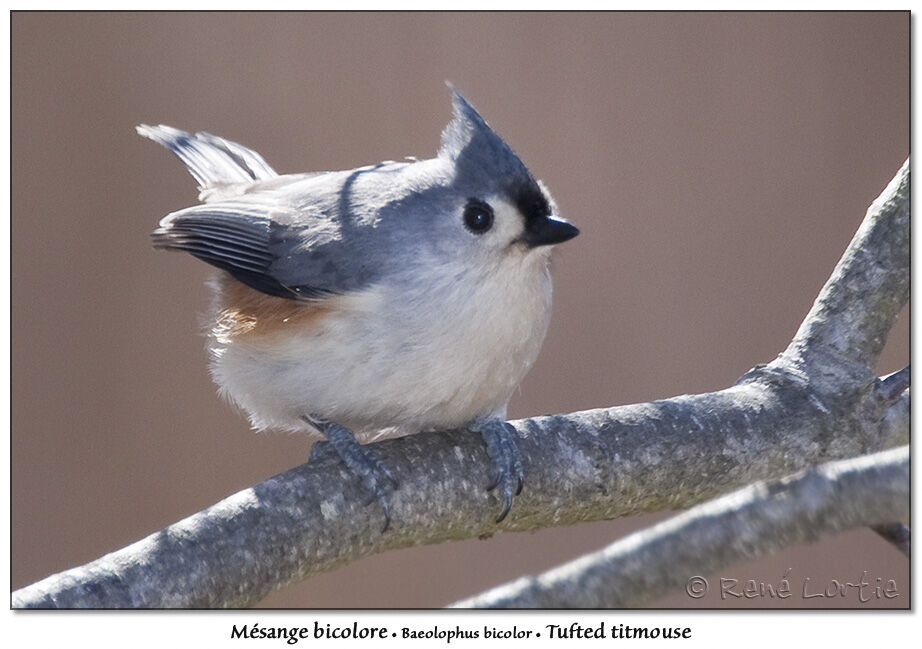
<point>375,302</point>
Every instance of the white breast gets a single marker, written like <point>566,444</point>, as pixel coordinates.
<point>436,357</point>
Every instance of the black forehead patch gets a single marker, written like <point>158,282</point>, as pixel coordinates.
<point>532,203</point>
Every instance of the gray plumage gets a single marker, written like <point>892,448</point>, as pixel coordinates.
<point>307,235</point>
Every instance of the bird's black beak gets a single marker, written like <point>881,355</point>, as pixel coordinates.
<point>547,232</point>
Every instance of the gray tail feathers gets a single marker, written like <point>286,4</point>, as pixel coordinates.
<point>210,159</point>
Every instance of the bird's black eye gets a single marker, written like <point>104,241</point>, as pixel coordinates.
<point>478,216</point>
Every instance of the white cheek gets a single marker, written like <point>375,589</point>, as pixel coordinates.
<point>507,222</point>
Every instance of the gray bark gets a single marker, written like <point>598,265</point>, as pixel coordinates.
<point>746,524</point>
<point>818,401</point>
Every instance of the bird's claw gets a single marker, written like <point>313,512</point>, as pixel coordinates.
<point>500,438</point>
<point>380,482</point>
<point>495,480</point>
<point>376,477</point>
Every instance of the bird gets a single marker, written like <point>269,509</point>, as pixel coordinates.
<point>374,302</point>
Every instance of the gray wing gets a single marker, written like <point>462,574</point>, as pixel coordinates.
<point>235,238</point>
<point>295,236</point>
<point>273,244</point>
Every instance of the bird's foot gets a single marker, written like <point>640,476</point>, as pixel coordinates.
<point>500,438</point>
<point>320,451</point>
<point>374,474</point>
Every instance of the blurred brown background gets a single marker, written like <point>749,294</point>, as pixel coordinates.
<point>717,164</point>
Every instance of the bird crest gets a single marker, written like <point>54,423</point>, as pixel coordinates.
<point>479,154</point>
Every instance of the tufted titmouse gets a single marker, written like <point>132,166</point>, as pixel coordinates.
<point>374,302</point>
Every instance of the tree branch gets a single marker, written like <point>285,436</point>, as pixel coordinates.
<point>896,533</point>
<point>746,524</point>
<point>818,401</point>
<point>855,310</point>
